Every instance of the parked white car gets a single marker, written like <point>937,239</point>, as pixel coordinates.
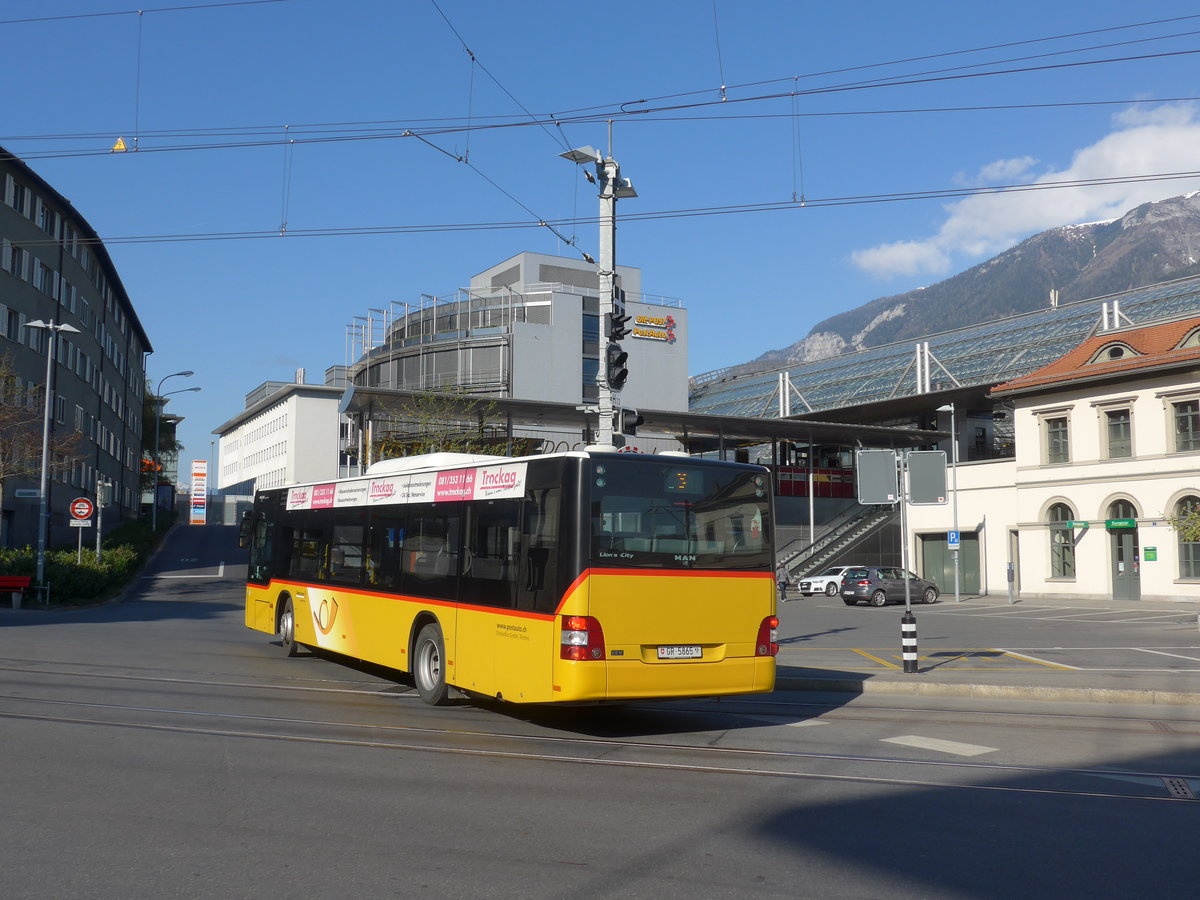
<point>829,582</point>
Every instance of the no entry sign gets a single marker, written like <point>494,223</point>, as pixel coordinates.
<point>81,508</point>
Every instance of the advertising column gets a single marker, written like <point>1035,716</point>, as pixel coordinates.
<point>199,504</point>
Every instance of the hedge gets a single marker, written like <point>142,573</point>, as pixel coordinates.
<point>123,551</point>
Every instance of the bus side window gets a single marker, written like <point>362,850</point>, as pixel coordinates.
<point>429,558</point>
<point>244,529</point>
<point>539,549</point>
<point>346,554</point>
<point>261,548</point>
<point>385,542</point>
<point>490,561</point>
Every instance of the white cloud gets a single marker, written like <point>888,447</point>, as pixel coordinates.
<point>998,172</point>
<point>1145,141</point>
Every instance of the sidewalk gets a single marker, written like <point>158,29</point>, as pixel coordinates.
<point>1117,670</point>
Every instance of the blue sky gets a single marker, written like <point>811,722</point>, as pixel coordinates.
<point>248,117</point>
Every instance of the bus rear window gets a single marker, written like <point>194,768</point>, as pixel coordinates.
<point>662,514</point>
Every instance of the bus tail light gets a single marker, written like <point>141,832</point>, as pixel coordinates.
<point>582,638</point>
<point>767,636</point>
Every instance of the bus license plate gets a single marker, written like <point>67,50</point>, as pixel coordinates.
<point>682,652</point>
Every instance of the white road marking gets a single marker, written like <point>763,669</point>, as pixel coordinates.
<point>1176,655</point>
<point>1044,662</point>
<point>924,743</point>
<point>776,721</point>
<point>1026,611</point>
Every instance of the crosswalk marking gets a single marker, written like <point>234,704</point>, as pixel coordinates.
<point>924,743</point>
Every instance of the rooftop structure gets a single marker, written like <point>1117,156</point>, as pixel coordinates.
<point>978,356</point>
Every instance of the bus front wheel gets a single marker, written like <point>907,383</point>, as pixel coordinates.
<point>429,661</point>
<point>287,628</point>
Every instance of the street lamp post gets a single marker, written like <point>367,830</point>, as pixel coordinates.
<point>949,407</point>
<point>44,493</point>
<point>612,304</point>
<point>158,405</point>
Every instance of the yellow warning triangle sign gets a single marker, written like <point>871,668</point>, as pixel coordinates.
<point>119,146</point>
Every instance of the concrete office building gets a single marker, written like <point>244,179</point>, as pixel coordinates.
<point>53,268</point>
<point>288,432</point>
<point>527,328</point>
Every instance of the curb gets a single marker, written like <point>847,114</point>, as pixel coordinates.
<point>990,691</point>
<point>121,594</point>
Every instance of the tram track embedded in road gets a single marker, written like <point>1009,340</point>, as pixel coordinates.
<point>752,762</point>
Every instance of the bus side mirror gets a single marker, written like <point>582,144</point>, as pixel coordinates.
<point>244,529</point>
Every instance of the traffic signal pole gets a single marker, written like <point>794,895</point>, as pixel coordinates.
<point>607,171</point>
<point>613,368</point>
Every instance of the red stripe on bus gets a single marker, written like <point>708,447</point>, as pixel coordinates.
<point>411,598</point>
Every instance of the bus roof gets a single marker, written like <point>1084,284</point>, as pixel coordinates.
<point>436,462</point>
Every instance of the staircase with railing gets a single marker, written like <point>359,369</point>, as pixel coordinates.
<point>844,533</point>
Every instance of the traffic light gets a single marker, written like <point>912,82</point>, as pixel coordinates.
<point>616,325</point>
<point>630,420</point>
<point>616,370</point>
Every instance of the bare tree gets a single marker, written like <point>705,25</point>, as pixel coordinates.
<point>442,421</point>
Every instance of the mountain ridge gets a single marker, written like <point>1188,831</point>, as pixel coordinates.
<point>1153,242</point>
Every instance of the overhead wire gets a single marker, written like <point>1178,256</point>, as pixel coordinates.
<point>672,113</point>
<point>593,117</point>
<point>717,35</point>
<point>945,54</point>
<point>647,216</point>
<point>131,12</point>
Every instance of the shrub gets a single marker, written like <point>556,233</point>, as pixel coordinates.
<point>75,581</point>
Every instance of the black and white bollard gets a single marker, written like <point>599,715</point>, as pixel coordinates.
<point>908,642</point>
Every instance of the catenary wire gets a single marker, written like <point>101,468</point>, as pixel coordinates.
<point>137,12</point>
<point>769,206</point>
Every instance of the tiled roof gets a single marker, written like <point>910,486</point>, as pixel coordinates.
<point>1155,345</point>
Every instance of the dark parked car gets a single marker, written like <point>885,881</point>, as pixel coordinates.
<point>884,584</point>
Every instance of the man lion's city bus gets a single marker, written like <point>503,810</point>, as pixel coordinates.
<point>574,577</point>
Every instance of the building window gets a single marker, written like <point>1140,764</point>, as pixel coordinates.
<point>1122,509</point>
<point>1187,425</point>
<point>20,198</point>
<point>1120,435</point>
<point>16,262</point>
<point>1062,541</point>
<point>1057,446</point>
<point>1189,551</point>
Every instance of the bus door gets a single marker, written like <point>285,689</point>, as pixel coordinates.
<point>429,561</point>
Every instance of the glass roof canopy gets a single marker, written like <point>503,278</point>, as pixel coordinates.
<point>980,355</point>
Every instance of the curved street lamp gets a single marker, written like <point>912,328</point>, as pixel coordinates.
<point>44,492</point>
<point>158,406</point>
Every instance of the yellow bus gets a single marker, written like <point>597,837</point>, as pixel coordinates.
<point>573,577</point>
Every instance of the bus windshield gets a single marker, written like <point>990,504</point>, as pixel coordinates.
<point>678,514</point>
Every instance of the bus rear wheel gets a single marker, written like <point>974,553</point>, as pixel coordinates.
<point>287,628</point>
<point>429,660</point>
